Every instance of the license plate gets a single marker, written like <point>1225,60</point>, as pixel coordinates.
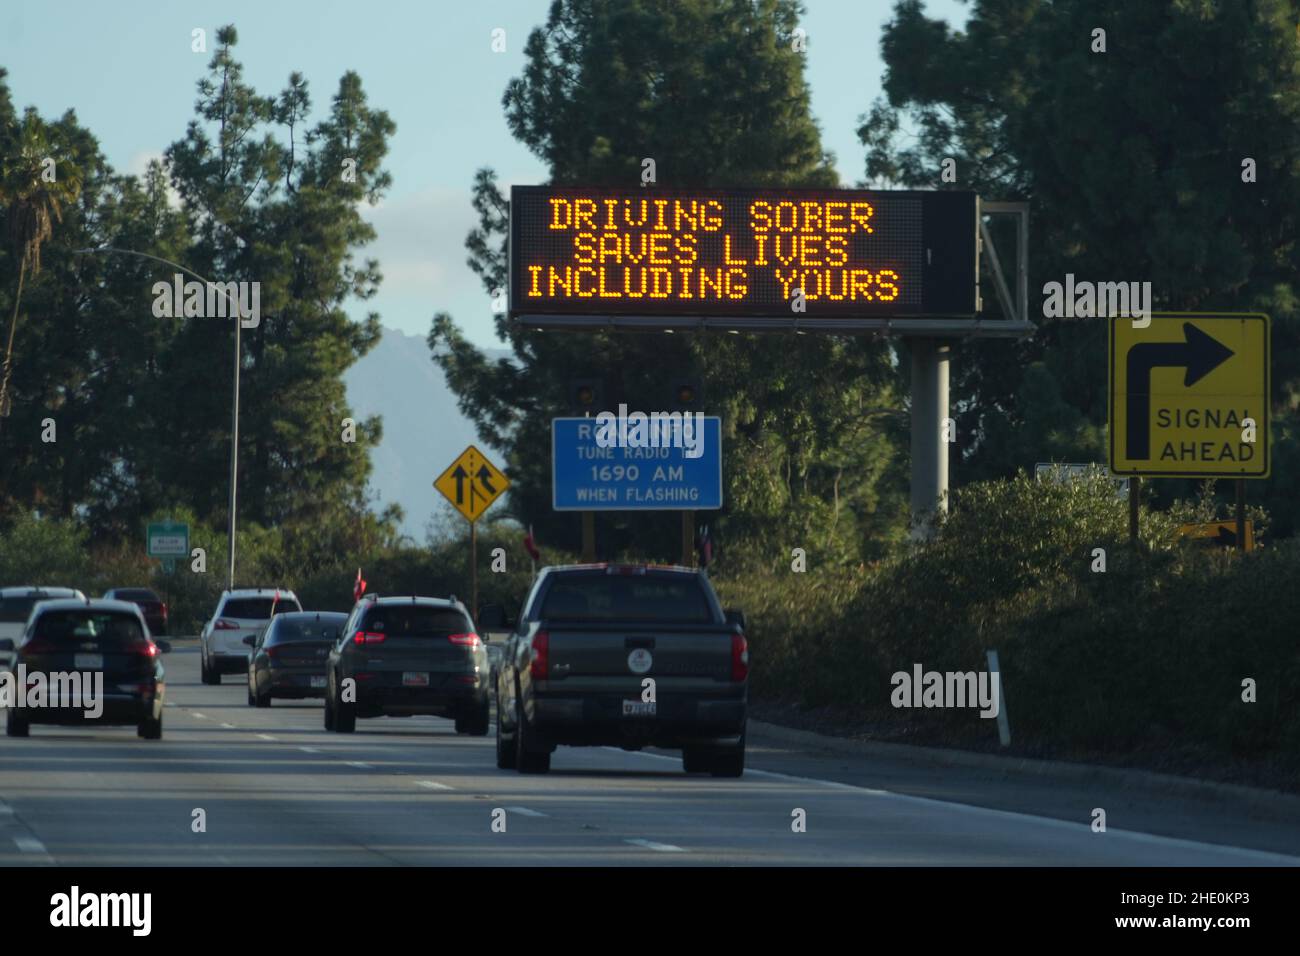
<point>318,681</point>
<point>638,708</point>
<point>93,662</point>
<point>413,679</point>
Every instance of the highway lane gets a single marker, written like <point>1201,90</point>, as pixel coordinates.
<point>276,789</point>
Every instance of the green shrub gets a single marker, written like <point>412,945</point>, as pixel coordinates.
<point>1147,657</point>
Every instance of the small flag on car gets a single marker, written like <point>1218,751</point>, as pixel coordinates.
<point>359,588</point>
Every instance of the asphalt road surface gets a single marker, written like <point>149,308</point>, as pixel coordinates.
<point>276,789</point>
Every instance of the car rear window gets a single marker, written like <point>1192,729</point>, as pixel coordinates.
<point>18,608</point>
<point>599,596</point>
<point>257,609</point>
<point>416,621</point>
<point>109,629</point>
<point>300,631</point>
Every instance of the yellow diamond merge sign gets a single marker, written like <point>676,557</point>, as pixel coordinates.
<point>1189,395</point>
<point>472,483</point>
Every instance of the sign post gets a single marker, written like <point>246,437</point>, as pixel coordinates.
<point>1134,508</point>
<point>472,483</point>
<point>168,540</point>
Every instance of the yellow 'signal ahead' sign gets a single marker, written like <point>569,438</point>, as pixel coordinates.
<point>1189,395</point>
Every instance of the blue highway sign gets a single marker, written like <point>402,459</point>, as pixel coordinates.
<point>587,477</point>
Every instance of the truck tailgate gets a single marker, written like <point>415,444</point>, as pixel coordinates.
<point>599,656</point>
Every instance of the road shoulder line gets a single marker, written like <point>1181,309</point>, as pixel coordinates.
<point>1274,801</point>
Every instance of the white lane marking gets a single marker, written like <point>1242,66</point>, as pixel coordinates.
<point>200,716</point>
<point>309,750</point>
<point>266,737</point>
<point>229,726</point>
<point>433,785</point>
<point>29,844</point>
<point>657,847</point>
<point>1135,835</point>
<point>525,812</point>
<point>360,765</point>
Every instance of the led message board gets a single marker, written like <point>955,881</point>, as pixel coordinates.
<point>846,254</point>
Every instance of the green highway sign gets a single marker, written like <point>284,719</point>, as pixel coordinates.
<point>168,540</point>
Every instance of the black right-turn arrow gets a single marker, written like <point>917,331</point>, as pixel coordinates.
<point>1199,355</point>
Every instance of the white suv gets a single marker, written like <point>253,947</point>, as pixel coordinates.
<point>226,641</point>
<point>16,605</point>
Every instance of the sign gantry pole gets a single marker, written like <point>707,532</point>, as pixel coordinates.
<point>930,362</point>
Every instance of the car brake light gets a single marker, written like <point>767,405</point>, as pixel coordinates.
<point>466,640</point>
<point>224,625</point>
<point>149,649</point>
<point>739,657</point>
<point>367,637</point>
<point>541,650</point>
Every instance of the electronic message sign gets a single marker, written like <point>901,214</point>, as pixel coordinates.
<point>774,254</point>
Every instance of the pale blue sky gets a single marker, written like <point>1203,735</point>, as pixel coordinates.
<point>127,69</point>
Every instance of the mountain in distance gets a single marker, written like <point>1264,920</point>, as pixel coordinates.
<point>424,431</point>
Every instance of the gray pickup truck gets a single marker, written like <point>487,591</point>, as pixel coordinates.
<point>628,656</point>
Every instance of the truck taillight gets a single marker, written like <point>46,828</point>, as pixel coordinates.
<point>541,652</point>
<point>739,657</point>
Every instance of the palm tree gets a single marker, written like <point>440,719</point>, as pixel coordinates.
<point>34,187</point>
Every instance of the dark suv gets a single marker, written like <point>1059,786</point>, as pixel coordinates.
<point>98,649</point>
<point>398,656</point>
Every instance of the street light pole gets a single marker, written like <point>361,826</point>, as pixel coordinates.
<point>234,414</point>
<point>234,450</point>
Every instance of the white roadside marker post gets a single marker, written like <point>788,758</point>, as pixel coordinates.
<point>1004,723</point>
